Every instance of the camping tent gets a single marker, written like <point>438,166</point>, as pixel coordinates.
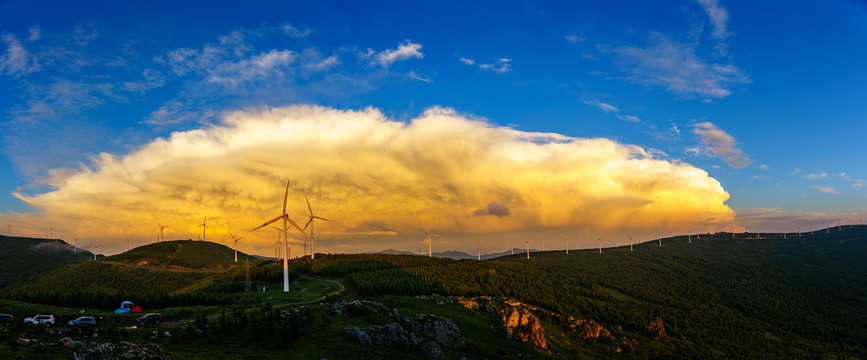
<point>126,305</point>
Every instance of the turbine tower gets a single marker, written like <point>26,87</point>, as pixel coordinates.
<point>689,236</point>
<point>566,244</point>
<point>286,222</point>
<point>479,245</point>
<point>310,223</point>
<point>95,246</point>
<point>204,226</point>
<point>429,239</point>
<point>235,245</point>
<point>658,238</point>
<point>600,245</point>
<point>630,242</point>
<point>528,248</point>
<point>160,237</point>
<point>512,246</point>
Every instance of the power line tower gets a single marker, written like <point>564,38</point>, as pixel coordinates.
<point>247,286</point>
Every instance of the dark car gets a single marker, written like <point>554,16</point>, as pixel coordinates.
<point>5,319</point>
<point>83,322</point>
<point>149,319</point>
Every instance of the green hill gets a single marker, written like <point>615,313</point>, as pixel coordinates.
<point>22,258</point>
<point>187,254</point>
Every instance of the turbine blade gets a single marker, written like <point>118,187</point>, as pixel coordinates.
<point>296,226</point>
<point>435,235</point>
<point>268,223</point>
<point>320,218</point>
<point>308,223</point>
<point>308,206</point>
<point>286,195</point>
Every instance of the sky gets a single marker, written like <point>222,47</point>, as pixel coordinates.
<point>502,122</point>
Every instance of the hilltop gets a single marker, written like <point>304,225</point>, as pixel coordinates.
<point>22,257</point>
<point>186,254</point>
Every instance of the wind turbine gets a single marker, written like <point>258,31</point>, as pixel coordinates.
<point>310,223</point>
<point>479,245</point>
<point>543,244</point>
<point>698,233</point>
<point>75,247</point>
<point>528,248</point>
<point>95,246</point>
<point>630,242</point>
<point>784,232</point>
<point>429,239</point>
<point>512,245</point>
<point>235,245</point>
<point>566,244</point>
<point>127,244</point>
<point>203,226</point>
<point>600,245</point>
<point>658,238</point>
<point>689,236</point>
<point>286,222</point>
<point>161,238</point>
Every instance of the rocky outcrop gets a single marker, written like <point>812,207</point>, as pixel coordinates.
<point>426,332</point>
<point>122,350</point>
<point>519,323</point>
<point>589,329</point>
<point>482,303</point>
<point>656,329</point>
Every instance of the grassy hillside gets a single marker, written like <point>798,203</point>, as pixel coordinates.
<point>22,258</point>
<point>718,297</point>
<point>180,254</point>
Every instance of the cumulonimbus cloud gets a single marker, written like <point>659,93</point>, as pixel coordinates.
<point>368,174</point>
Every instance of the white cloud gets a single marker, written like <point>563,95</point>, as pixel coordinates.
<point>500,66</point>
<point>721,144</point>
<point>763,167</point>
<point>264,65</point>
<point>601,105</point>
<point>815,176</point>
<point>575,38</point>
<point>630,118</point>
<point>16,60</point>
<point>294,31</point>
<point>404,51</point>
<point>676,67</point>
<point>368,173</point>
<point>35,33</point>
<point>414,76</point>
<point>825,189</point>
<point>796,171</point>
<point>718,15</point>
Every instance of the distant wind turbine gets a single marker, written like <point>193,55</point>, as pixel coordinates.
<point>512,245</point>
<point>204,226</point>
<point>235,244</point>
<point>543,244</point>
<point>528,248</point>
<point>160,237</point>
<point>95,246</point>
<point>630,242</point>
<point>600,245</point>
<point>479,245</point>
<point>75,247</point>
<point>698,233</point>
<point>689,236</point>
<point>566,244</point>
<point>127,244</point>
<point>310,223</point>
<point>429,239</point>
<point>286,222</point>
<point>784,232</point>
<point>658,238</point>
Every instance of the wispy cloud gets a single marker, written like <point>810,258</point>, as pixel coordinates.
<point>235,172</point>
<point>825,189</point>
<point>763,167</point>
<point>721,144</point>
<point>677,67</point>
<point>406,50</point>
<point>575,38</point>
<point>16,60</point>
<point>295,31</point>
<point>718,15</point>
<point>608,108</point>
<point>500,66</point>
<point>815,176</point>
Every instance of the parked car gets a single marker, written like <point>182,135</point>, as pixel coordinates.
<point>149,318</point>
<point>47,320</point>
<point>83,322</point>
<point>5,319</point>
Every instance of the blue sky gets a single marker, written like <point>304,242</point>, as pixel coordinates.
<point>767,97</point>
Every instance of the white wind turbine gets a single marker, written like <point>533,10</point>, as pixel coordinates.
<point>512,245</point>
<point>528,248</point>
<point>95,246</point>
<point>310,223</point>
<point>600,245</point>
<point>160,237</point>
<point>75,247</point>
<point>479,245</point>
<point>204,226</point>
<point>543,244</point>
<point>630,242</point>
<point>235,245</point>
<point>566,244</point>
<point>698,233</point>
<point>689,236</point>
<point>658,238</point>
<point>286,222</point>
<point>429,239</point>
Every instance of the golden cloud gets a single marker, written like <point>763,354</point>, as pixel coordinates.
<point>379,181</point>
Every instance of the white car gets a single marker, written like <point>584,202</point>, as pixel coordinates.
<point>46,320</point>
